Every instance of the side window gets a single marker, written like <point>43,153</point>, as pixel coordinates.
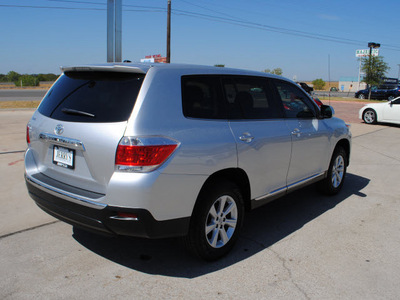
<point>295,102</point>
<point>249,98</point>
<point>202,98</point>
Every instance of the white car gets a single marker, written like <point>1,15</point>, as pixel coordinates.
<point>387,112</point>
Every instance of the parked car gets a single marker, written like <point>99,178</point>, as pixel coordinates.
<point>334,89</point>
<point>388,112</point>
<point>169,150</point>
<point>379,93</point>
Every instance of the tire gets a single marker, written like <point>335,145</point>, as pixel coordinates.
<point>216,221</point>
<point>361,96</point>
<point>333,183</point>
<point>390,98</point>
<point>369,116</point>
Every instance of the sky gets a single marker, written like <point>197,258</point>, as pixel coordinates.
<point>307,39</point>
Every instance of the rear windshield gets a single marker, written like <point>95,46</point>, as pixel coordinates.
<point>92,97</point>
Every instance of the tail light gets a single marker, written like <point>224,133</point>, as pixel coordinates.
<point>143,154</point>
<point>28,134</point>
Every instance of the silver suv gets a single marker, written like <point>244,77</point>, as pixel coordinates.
<point>177,150</point>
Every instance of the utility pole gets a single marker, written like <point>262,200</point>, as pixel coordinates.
<point>169,33</point>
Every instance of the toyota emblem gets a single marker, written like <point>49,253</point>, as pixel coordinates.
<point>59,129</point>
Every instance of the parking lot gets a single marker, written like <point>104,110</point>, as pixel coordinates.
<point>303,246</point>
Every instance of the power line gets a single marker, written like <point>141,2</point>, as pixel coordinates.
<point>77,8</point>
<point>228,20</point>
<point>212,10</point>
<point>104,4</point>
<point>78,2</point>
<point>281,30</point>
<point>50,7</point>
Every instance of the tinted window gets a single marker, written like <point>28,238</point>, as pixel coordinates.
<point>295,102</point>
<point>202,98</point>
<point>92,97</point>
<point>250,98</point>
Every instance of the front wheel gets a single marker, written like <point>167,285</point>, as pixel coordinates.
<point>216,221</point>
<point>361,96</point>
<point>369,116</point>
<point>333,183</point>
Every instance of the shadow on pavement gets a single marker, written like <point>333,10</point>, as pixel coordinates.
<point>263,227</point>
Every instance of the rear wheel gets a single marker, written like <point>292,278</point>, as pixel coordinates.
<point>333,183</point>
<point>369,116</point>
<point>361,96</point>
<point>216,221</point>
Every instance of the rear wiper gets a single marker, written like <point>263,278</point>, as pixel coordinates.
<point>70,111</point>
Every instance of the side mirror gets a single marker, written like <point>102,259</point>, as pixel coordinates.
<point>327,111</point>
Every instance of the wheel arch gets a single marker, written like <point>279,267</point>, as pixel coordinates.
<point>235,175</point>
<point>345,144</point>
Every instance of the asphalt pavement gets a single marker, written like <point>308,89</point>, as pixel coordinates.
<point>22,94</point>
<point>302,246</point>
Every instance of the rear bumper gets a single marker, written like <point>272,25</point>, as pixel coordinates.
<point>105,219</point>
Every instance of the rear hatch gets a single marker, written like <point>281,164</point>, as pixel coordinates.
<point>78,125</point>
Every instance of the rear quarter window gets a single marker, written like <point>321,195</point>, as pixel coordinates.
<point>202,97</point>
<point>92,97</point>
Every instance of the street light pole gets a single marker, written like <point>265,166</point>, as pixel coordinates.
<point>114,30</point>
<point>375,46</point>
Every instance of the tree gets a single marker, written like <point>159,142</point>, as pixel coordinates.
<point>318,84</point>
<point>276,71</point>
<point>27,80</point>
<point>13,76</point>
<point>47,77</point>
<point>374,69</point>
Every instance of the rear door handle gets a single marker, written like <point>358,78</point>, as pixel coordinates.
<point>246,137</point>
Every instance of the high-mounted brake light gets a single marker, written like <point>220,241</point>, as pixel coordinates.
<point>143,154</point>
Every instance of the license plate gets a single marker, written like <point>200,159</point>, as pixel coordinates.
<point>64,157</point>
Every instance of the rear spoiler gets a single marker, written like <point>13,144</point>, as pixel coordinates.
<point>138,69</point>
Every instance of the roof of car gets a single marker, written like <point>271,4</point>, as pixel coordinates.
<point>144,67</point>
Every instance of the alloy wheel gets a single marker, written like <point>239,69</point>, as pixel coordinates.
<point>369,117</point>
<point>337,171</point>
<point>221,221</point>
